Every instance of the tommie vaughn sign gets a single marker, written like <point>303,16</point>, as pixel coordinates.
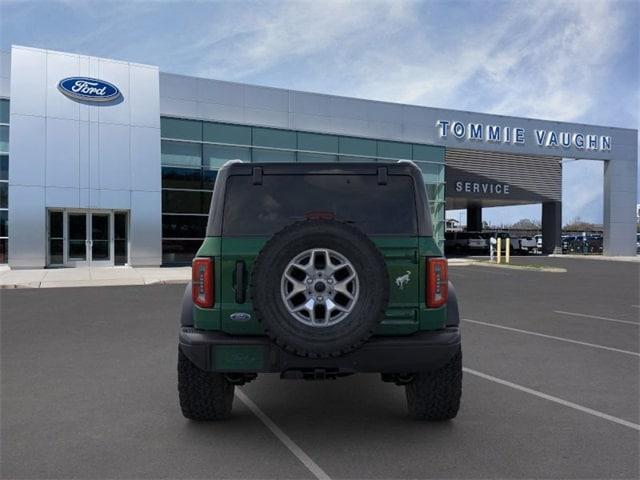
<point>88,89</point>
<point>478,132</point>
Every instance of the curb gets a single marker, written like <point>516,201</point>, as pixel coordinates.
<point>521,267</point>
<point>88,284</point>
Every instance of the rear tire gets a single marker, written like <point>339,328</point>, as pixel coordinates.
<point>436,395</point>
<point>203,395</point>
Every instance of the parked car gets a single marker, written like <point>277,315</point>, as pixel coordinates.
<point>465,242</point>
<point>305,271</point>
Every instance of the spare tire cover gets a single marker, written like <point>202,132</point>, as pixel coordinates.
<point>319,288</point>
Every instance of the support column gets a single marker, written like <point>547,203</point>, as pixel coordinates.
<point>620,191</point>
<point>551,227</point>
<point>474,218</point>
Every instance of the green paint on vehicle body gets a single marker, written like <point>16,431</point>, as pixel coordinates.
<point>406,265</point>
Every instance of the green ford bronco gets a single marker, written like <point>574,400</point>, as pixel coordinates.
<point>317,271</point>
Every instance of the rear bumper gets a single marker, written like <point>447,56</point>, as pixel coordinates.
<point>219,352</point>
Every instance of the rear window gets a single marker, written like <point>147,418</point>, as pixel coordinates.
<point>283,199</point>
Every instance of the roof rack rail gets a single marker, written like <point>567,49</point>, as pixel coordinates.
<point>411,162</point>
<point>231,162</point>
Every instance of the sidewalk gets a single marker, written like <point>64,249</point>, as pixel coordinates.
<point>92,277</point>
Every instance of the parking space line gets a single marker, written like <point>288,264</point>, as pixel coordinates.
<point>283,437</point>
<point>596,317</point>
<point>562,339</point>
<point>551,398</point>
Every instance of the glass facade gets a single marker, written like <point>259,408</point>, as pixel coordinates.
<point>193,151</point>
<point>4,180</point>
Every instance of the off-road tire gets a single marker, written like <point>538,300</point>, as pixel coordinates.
<point>354,329</point>
<point>436,395</point>
<point>203,395</point>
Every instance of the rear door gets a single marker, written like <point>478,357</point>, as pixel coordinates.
<point>386,212</point>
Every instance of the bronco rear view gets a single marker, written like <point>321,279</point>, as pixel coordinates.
<point>317,271</point>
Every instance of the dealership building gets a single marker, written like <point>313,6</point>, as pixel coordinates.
<point>108,162</point>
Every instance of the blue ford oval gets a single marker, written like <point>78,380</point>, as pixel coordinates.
<point>89,89</point>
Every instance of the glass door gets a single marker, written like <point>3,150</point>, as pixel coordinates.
<point>100,242</point>
<point>77,240</point>
<point>81,238</point>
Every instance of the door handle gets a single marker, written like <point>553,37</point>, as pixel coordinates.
<point>240,281</point>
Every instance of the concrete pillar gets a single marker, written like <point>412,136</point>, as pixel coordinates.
<point>552,227</point>
<point>620,194</point>
<point>474,218</point>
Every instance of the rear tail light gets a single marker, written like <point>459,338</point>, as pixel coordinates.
<point>437,282</point>
<point>202,288</point>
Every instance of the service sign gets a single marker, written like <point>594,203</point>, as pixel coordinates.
<point>88,89</point>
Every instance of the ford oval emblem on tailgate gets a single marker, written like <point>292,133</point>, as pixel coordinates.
<point>240,317</point>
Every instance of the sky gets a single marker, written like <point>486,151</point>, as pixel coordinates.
<point>558,60</point>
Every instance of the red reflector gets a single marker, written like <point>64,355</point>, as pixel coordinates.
<point>437,282</point>
<point>202,288</point>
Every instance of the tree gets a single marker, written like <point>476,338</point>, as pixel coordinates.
<point>579,225</point>
<point>526,224</point>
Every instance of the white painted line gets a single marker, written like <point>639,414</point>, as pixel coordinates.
<point>562,339</point>
<point>551,398</point>
<point>596,317</point>
<point>283,437</point>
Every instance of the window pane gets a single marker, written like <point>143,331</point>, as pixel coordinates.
<point>77,227</point>
<point>4,194</point>
<point>224,133</point>
<point>283,199</point>
<point>4,139</point>
<point>206,201</point>
<point>4,251</point>
<point>55,252</point>
<point>120,250</point>
<point>55,225</point>
<point>358,146</point>
<point>317,143</point>
<point>183,129</point>
<point>181,201</point>
<point>260,155</point>
<point>316,157</point>
<point>77,250</point>
<point>271,137</point>
<point>217,155</point>
<point>428,153</point>
<point>180,153</point>
<point>4,111</point>
<point>179,251</point>
<point>4,223</point>
<point>394,150</point>
<point>183,226</point>
<point>431,172</point>
<point>209,179</point>
<point>4,167</point>
<point>173,177</point>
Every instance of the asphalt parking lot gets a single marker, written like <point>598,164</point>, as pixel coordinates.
<point>551,389</point>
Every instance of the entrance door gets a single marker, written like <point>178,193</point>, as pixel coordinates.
<point>77,240</point>
<point>100,242</point>
<point>87,238</point>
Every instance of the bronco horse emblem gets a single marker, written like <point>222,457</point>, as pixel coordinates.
<point>403,280</point>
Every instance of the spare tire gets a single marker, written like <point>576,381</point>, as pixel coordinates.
<point>319,288</point>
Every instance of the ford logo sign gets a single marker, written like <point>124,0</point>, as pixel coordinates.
<point>89,89</point>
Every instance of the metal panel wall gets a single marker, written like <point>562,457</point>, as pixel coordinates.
<point>70,154</point>
<point>534,178</point>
